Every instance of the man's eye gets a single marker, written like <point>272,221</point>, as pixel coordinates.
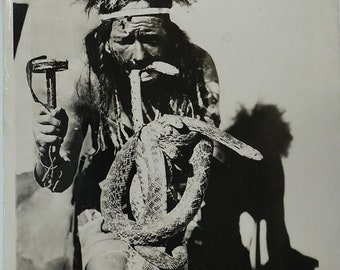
<point>124,40</point>
<point>152,40</point>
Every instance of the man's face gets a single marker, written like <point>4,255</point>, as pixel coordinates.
<point>138,42</point>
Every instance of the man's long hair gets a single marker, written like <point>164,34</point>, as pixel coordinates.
<point>115,84</point>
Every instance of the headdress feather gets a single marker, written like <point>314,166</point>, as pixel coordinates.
<point>105,6</point>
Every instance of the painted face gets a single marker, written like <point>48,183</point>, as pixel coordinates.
<point>138,41</point>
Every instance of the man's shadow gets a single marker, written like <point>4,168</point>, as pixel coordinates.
<point>253,189</point>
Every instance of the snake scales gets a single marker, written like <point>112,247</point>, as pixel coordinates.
<point>147,235</point>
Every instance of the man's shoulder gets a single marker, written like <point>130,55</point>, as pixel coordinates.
<point>206,63</point>
<point>200,52</point>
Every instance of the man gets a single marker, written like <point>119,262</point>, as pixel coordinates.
<point>132,35</point>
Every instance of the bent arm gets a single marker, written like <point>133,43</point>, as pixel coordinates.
<point>209,94</point>
<point>210,97</point>
<point>56,170</point>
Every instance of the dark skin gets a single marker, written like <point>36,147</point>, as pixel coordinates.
<point>138,40</point>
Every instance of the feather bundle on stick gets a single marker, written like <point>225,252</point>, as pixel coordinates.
<point>106,6</point>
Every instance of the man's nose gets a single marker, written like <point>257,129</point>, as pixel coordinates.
<point>138,51</point>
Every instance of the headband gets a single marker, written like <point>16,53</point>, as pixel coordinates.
<point>134,12</point>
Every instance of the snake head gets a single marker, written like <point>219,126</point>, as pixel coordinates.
<point>172,121</point>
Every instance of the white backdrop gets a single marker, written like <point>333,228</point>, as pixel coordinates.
<point>272,51</point>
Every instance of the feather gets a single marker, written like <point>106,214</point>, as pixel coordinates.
<point>106,6</point>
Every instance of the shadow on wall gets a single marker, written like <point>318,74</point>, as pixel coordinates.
<point>243,224</point>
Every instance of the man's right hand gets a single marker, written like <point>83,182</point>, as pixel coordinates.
<point>49,128</point>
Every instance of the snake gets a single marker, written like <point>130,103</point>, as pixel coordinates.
<point>148,151</point>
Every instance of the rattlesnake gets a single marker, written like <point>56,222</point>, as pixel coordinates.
<point>153,227</point>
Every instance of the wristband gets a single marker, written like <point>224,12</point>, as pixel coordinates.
<point>51,176</point>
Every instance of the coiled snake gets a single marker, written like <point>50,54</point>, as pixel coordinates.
<point>153,226</point>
